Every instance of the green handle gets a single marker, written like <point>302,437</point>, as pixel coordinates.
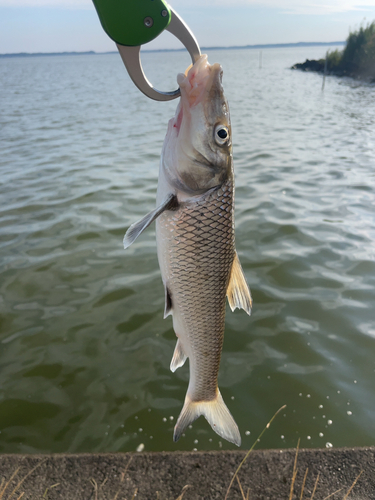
<point>133,22</point>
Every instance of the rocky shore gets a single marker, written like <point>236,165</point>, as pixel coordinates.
<point>310,65</point>
<point>319,65</point>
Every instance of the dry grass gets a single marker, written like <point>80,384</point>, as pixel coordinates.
<point>294,474</point>
<point>98,489</point>
<point>251,449</point>
<point>6,493</point>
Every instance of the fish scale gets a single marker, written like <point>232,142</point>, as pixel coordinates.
<point>201,253</point>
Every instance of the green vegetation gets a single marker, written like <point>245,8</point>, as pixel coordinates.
<point>356,60</point>
<point>358,56</point>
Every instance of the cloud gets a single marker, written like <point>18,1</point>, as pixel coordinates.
<point>321,7</point>
<point>317,7</point>
<point>80,4</point>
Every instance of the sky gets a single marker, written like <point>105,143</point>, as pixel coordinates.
<point>73,25</point>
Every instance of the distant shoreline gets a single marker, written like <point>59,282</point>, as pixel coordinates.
<point>237,47</point>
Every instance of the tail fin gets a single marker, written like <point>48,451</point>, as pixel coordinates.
<point>216,414</point>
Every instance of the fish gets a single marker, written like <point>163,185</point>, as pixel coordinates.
<point>196,242</point>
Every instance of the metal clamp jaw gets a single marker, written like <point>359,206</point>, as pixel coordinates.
<point>132,59</point>
<point>132,23</point>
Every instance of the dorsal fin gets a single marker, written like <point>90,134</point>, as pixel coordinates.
<point>136,229</point>
<point>238,292</point>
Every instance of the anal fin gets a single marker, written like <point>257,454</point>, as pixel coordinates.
<point>179,357</point>
<point>170,203</point>
<point>238,292</point>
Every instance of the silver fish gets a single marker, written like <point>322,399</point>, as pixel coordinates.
<point>195,241</point>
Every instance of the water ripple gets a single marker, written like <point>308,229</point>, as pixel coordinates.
<point>85,351</point>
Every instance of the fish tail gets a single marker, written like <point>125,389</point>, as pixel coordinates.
<point>215,412</point>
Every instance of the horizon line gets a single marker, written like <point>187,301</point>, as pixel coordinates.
<point>231,47</point>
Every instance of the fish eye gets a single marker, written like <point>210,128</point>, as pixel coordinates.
<point>221,135</point>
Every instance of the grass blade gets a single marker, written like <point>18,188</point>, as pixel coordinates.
<point>303,483</point>
<point>294,472</point>
<point>2,491</point>
<point>334,493</point>
<point>251,449</point>
<point>183,491</point>
<point>242,493</point>
<point>135,493</point>
<point>316,484</point>
<point>352,486</point>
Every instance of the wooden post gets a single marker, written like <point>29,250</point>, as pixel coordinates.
<point>325,70</point>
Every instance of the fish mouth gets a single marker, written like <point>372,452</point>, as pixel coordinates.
<point>198,81</point>
<point>201,84</point>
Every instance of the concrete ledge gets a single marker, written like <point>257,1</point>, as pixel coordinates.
<point>267,473</point>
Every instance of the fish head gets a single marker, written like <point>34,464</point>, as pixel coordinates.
<point>197,153</point>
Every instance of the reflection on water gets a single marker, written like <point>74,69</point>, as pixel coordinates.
<point>85,352</point>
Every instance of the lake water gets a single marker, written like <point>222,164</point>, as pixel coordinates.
<point>84,349</point>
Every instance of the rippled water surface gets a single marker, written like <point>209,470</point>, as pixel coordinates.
<point>84,349</point>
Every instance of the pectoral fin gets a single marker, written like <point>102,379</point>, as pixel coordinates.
<point>136,229</point>
<point>238,292</point>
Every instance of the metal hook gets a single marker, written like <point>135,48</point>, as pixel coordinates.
<point>132,59</point>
